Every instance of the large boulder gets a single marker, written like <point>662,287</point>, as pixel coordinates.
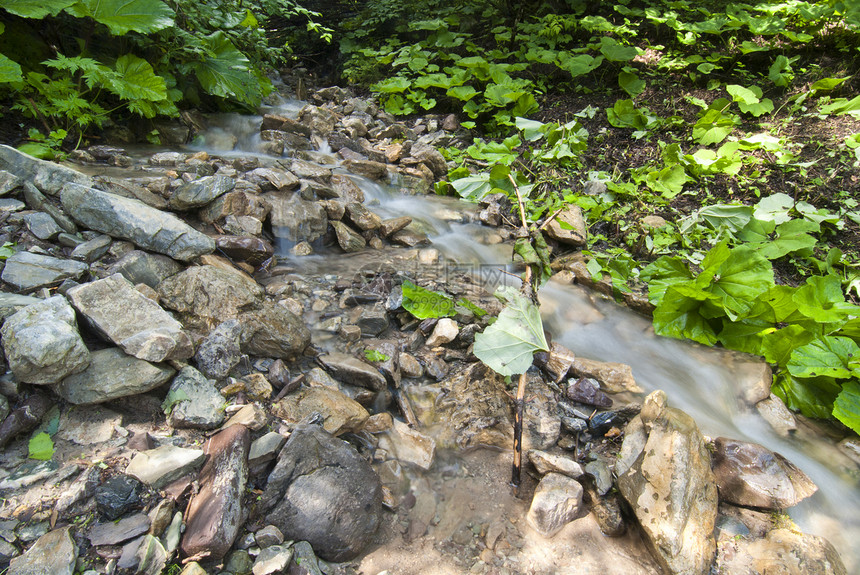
<point>273,331</point>
<point>200,192</point>
<point>54,552</point>
<point>112,374</point>
<point>207,295</point>
<point>214,515</point>
<point>47,176</point>
<point>340,413</point>
<point>131,320</point>
<point>754,476</point>
<point>196,401</point>
<point>140,267</point>
<point>665,475</point>
<point>296,219</point>
<point>782,552</point>
<point>323,492</point>
<point>145,226</point>
<point>42,342</point>
<point>27,271</point>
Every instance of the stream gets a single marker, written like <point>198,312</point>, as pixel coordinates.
<point>704,382</point>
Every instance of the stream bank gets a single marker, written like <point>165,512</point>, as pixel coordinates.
<point>243,282</point>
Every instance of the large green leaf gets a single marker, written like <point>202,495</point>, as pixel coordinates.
<point>846,408</point>
<point>679,314</point>
<point>392,85</point>
<point>615,51</point>
<point>663,273</point>
<point>811,397</point>
<point>423,303</point>
<point>821,299</point>
<point>226,72</point>
<point>668,182</point>
<point>736,276</point>
<point>509,344</point>
<point>775,207</point>
<point>778,346</point>
<point>473,188</point>
<point>10,71</point>
<point>714,126</point>
<point>791,237</point>
<point>41,447</point>
<point>830,356</point>
<point>123,16</point>
<point>137,81</point>
<point>745,335</point>
<point>37,10</point>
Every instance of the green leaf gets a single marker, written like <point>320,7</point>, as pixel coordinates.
<point>137,81</point>
<point>668,182</point>
<point>464,93</point>
<point>744,95</point>
<point>579,65</point>
<point>123,16</point>
<point>827,84</point>
<point>631,83</point>
<point>846,408</point>
<point>840,106</point>
<point>662,273</point>
<point>774,207</point>
<point>226,72</point>
<point>679,314</point>
<point>476,310</point>
<point>37,10</point>
<point>624,114</point>
<point>392,85</point>
<point>812,397</point>
<point>473,188</point>
<point>778,346</point>
<point>713,127</point>
<point>10,71</point>
<point>745,335</point>
<point>830,356</point>
<point>423,303</point>
<point>792,237</point>
<point>615,51</point>
<point>736,276</point>
<point>375,355</point>
<point>509,344</point>
<point>41,447</point>
<point>821,299</point>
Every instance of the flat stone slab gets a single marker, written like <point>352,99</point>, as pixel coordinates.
<point>135,221</point>
<point>88,425</point>
<point>27,271</point>
<point>158,467</point>
<point>113,374</point>
<point>352,370</point>
<point>54,553</point>
<point>131,320</point>
<point>114,533</point>
<point>47,176</point>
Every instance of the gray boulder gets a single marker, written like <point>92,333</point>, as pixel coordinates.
<point>42,342</point>
<point>27,271</point>
<point>158,467</point>
<point>781,551</point>
<point>347,238</point>
<point>113,374</point>
<point>273,331</point>
<point>220,351</point>
<point>665,475</point>
<point>135,221</point>
<point>751,475</point>
<point>198,404</point>
<point>323,492</point>
<point>296,219</point>
<point>351,370</point>
<point>54,552</point>
<point>47,176</point>
<point>214,515</point>
<point>140,267</point>
<point>131,320</point>
<point>200,192</point>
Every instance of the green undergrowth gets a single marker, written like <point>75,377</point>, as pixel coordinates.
<point>738,124</point>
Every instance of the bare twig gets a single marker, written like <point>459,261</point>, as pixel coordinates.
<point>551,218</point>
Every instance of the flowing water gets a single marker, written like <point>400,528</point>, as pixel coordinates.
<point>704,382</point>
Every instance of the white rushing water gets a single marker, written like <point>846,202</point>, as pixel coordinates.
<point>704,382</point>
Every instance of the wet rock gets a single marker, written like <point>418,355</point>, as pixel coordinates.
<point>238,204</point>
<point>541,421</point>
<point>754,379</point>
<point>367,168</point>
<point>340,413</point>
<point>126,188</point>
<point>664,473</point>
<point>131,320</point>
<point>353,371</point>
<point>118,495</point>
<point>600,473</point>
<point>42,225</point>
<point>26,271</point>
<point>112,374</point>
<point>206,295</point>
<point>446,331</point>
<point>586,390</point>
<point>46,176</point>
<point>255,251</point>
<point>296,219</point>
<point>220,351</point>
<point>320,120</point>
<point>363,218</point>
<point>613,377</point>
<point>273,331</point>
<point>572,216</point>
<point>394,225</point>
<point>410,367</point>
<point>781,551</point>
<point>601,422</point>
<point>139,267</point>
<point>145,556</point>
<point>409,237</point>
<point>198,404</point>
<point>114,533</point>
<point>556,362</point>
<point>751,475</point>
<point>408,445</point>
<point>557,501</point>
<point>273,179</point>
<point>42,343</point>
<point>268,536</point>
<point>550,463</point>
<point>607,512</point>
<point>93,249</point>
<point>24,418</point>
<point>305,169</point>
<point>347,238</point>
<point>780,418</point>
<point>200,192</point>
<point>346,189</point>
<point>430,156</point>
<point>321,491</point>
<point>132,220</point>
<point>273,560</point>
<point>214,514</point>
<point>475,410</point>
<point>54,553</point>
